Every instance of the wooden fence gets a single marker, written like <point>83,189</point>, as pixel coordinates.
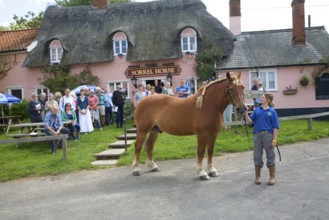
<point>286,118</point>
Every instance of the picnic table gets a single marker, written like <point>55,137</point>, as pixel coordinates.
<point>8,120</point>
<point>28,137</point>
<point>22,126</point>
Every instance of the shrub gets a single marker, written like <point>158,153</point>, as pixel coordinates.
<point>20,109</point>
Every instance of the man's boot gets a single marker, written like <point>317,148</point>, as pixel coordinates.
<point>257,174</point>
<point>272,175</point>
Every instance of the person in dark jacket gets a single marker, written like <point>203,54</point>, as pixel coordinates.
<point>34,109</point>
<point>118,100</point>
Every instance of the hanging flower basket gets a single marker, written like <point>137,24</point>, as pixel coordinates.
<point>304,80</point>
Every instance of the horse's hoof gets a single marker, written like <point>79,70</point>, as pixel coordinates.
<point>137,173</point>
<point>213,174</point>
<point>156,169</point>
<point>204,177</point>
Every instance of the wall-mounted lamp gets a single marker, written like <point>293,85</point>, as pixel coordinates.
<point>169,77</point>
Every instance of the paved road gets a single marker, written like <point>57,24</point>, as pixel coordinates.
<point>301,192</point>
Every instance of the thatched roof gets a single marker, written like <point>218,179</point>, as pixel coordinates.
<point>153,30</point>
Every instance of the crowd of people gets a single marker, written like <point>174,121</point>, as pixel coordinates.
<point>71,114</point>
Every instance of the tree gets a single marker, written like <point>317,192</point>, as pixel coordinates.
<point>206,59</point>
<point>69,3</point>
<point>28,21</point>
<point>58,77</point>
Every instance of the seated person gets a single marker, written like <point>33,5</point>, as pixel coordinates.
<point>53,125</point>
<point>68,115</point>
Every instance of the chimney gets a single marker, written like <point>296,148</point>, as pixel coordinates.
<point>100,3</point>
<point>235,17</point>
<point>298,22</point>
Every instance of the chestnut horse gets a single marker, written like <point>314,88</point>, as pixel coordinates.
<point>200,114</point>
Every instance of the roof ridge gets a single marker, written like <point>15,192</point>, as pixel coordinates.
<point>281,30</point>
<point>19,30</point>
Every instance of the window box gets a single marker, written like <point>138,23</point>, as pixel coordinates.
<point>290,91</point>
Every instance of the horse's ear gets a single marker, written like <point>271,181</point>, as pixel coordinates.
<point>228,76</point>
<point>239,74</point>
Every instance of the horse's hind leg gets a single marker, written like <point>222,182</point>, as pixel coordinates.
<point>212,172</point>
<point>138,147</point>
<point>150,145</point>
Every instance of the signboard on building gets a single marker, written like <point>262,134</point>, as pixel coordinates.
<point>139,72</point>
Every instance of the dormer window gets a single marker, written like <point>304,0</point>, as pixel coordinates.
<point>120,44</point>
<point>188,40</point>
<point>56,51</point>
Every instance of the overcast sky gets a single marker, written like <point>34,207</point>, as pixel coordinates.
<point>256,14</point>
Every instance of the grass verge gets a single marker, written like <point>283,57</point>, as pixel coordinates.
<point>35,159</point>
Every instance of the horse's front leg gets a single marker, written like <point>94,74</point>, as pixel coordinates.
<point>138,147</point>
<point>202,140</point>
<point>151,165</point>
<point>212,172</point>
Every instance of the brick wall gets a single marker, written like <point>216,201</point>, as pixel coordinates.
<point>235,9</point>
<point>298,22</point>
<point>100,3</point>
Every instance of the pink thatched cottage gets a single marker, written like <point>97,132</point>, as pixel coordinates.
<point>159,41</point>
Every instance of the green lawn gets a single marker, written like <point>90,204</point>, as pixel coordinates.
<point>35,159</point>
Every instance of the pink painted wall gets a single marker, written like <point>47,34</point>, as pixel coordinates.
<point>114,71</point>
<point>19,77</point>
<point>305,96</point>
<point>28,79</point>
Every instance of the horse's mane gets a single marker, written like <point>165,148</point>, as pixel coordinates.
<point>199,100</point>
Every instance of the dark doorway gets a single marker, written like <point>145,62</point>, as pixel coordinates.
<point>151,82</point>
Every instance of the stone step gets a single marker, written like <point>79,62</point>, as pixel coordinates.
<point>109,154</point>
<point>132,130</point>
<point>121,144</point>
<point>129,137</point>
<point>104,162</point>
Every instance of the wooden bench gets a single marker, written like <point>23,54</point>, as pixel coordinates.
<point>36,137</point>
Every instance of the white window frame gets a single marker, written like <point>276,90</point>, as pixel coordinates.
<point>191,47</point>
<point>16,88</point>
<point>116,53</point>
<point>264,75</point>
<point>123,84</point>
<point>40,90</point>
<point>56,53</point>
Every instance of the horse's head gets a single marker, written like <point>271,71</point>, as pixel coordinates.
<point>235,92</point>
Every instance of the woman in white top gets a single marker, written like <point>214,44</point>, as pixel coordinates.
<point>85,122</point>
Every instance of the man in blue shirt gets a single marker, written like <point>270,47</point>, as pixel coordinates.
<point>108,106</point>
<point>54,126</point>
<point>182,91</point>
